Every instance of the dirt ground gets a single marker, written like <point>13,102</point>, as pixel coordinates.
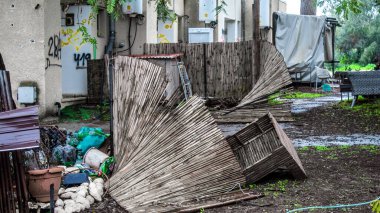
<point>340,175</point>
<point>332,120</point>
<point>336,175</point>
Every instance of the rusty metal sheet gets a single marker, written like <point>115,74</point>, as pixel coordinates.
<point>19,129</point>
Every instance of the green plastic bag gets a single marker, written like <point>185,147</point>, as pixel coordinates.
<point>107,166</point>
<point>89,137</point>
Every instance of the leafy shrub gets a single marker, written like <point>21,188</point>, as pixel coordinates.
<point>355,67</point>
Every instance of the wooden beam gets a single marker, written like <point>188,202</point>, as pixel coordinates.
<point>256,42</point>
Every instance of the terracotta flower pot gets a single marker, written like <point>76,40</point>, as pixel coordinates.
<point>40,180</point>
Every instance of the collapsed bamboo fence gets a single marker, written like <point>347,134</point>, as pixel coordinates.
<point>220,70</point>
<point>274,75</point>
<point>167,160</point>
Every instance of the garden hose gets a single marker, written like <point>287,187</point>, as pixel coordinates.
<point>333,207</point>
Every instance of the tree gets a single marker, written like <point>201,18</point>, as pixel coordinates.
<point>358,39</point>
<point>308,7</point>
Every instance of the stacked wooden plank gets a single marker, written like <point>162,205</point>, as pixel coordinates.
<point>167,160</point>
<point>247,114</point>
<point>263,147</point>
<point>274,75</point>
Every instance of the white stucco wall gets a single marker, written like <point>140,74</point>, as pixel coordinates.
<point>275,5</point>
<point>53,56</point>
<point>24,45</point>
<point>146,29</point>
<point>229,21</point>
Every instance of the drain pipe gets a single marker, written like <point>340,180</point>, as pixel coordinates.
<point>109,50</point>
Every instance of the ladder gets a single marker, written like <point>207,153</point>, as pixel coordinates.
<point>185,81</point>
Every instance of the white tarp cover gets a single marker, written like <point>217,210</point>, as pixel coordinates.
<point>299,38</point>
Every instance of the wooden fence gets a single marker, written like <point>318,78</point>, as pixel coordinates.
<point>220,70</point>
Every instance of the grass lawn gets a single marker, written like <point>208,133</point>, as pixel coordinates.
<point>364,106</point>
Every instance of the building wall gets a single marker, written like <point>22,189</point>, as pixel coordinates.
<point>53,70</point>
<point>230,19</point>
<point>275,5</point>
<point>146,30</point>
<point>24,46</point>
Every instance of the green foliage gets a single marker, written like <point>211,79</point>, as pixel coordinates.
<point>303,149</point>
<point>343,8</point>
<point>274,99</point>
<point>113,7</point>
<point>78,113</point>
<point>371,148</point>
<point>369,53</point>
<point>322,148</point>
<point>332,157</point>
<point>302,95</point>
<point>363,106</point>
<point>202,210</point>
<point>221,7</point>
<point>252,186</point>
<point>358,39</point>
<point>282,185</point>
<point>375,206</point>
<point>278,186</point>
<point>163,11</point>
<point>355,67</point>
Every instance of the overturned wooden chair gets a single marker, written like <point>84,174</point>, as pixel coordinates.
<point>263,147</point>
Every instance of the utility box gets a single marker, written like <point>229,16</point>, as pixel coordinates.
<point>133,7</point>
<point>201,35</point>
<point>264,13</point>
<point>207,12</point>
<point>27,95</point>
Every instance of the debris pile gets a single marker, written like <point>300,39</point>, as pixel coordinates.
<point>79,161</point>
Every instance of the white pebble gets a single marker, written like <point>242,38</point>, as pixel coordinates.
<point>59,202</point>
<point>59,210</point>
<point>94,192</point>
<point>69,202</point>
<point>66,195</point>
<point>83,201</point>
<point>71,189</point>
<point>61,191</point>
<point>99,180</point>
<point>82,193</point>
<point>90,199</point>
<point>69,209</point>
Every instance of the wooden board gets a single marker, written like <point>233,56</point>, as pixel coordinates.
<point>282,113</point>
